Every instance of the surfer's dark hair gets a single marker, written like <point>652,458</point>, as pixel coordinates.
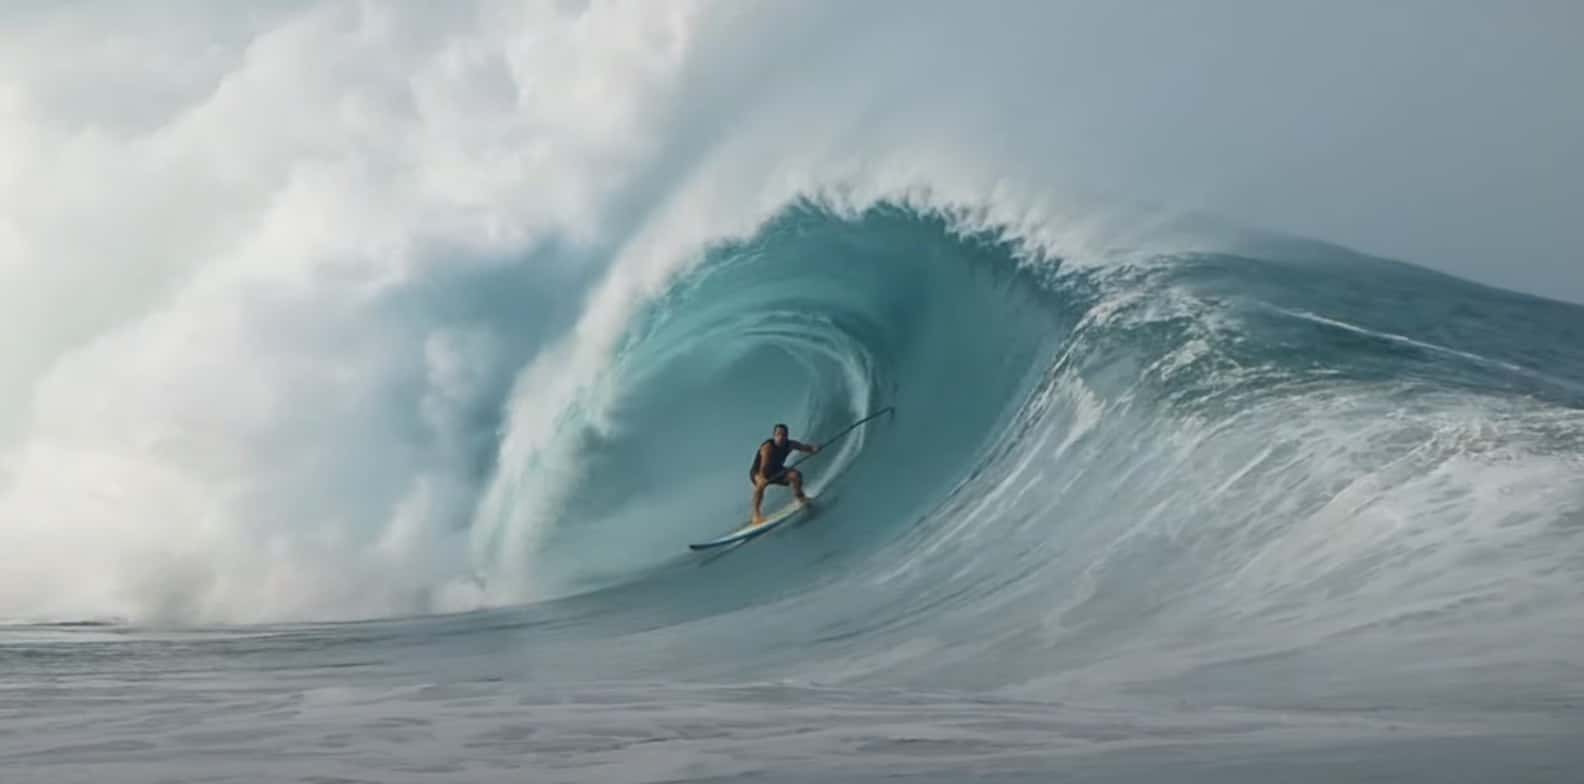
<point>780,426</point>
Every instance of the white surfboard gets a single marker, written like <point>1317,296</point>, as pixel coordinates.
<point>750,530</point>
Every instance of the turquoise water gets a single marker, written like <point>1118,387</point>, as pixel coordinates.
<point>1288,511</point>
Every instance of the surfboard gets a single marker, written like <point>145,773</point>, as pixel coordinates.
<point>750,530</point>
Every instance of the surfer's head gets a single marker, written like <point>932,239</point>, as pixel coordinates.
<point>779,434</point>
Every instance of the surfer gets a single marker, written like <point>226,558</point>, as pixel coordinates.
<point>769,468</point>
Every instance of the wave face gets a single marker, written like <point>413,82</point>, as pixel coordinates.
<point>817,320</point>
<point>1286,474</point>
<point>1305,477</point>
<point>1281,473</point>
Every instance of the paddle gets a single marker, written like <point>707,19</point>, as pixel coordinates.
<point>836,437</point>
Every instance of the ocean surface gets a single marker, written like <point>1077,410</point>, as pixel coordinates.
<point>1278,512</point>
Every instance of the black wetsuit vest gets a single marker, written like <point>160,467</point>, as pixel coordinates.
<point>778,456</point>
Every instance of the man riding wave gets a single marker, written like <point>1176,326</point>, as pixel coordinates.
<point>769,468</point>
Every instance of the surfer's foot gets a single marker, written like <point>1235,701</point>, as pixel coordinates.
<point>803,500</point>
<point>758,519</point>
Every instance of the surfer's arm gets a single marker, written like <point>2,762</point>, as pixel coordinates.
<point>802,447</point>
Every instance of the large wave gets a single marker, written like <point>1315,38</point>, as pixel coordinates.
<point>439,338</point>
<point>1098,477</point>
<point>816,320</point>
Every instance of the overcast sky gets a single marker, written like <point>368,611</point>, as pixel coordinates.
<point>1446,133</point>
<point>1450,134</point>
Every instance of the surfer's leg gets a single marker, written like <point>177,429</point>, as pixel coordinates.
<point>758,499</point>
<point>796,478</point>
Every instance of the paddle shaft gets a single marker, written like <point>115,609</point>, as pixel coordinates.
<point>837,437</point>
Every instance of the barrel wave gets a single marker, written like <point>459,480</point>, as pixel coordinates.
<point>1302,478</point>
<point>1253,510</point>
<point>817,321</point>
